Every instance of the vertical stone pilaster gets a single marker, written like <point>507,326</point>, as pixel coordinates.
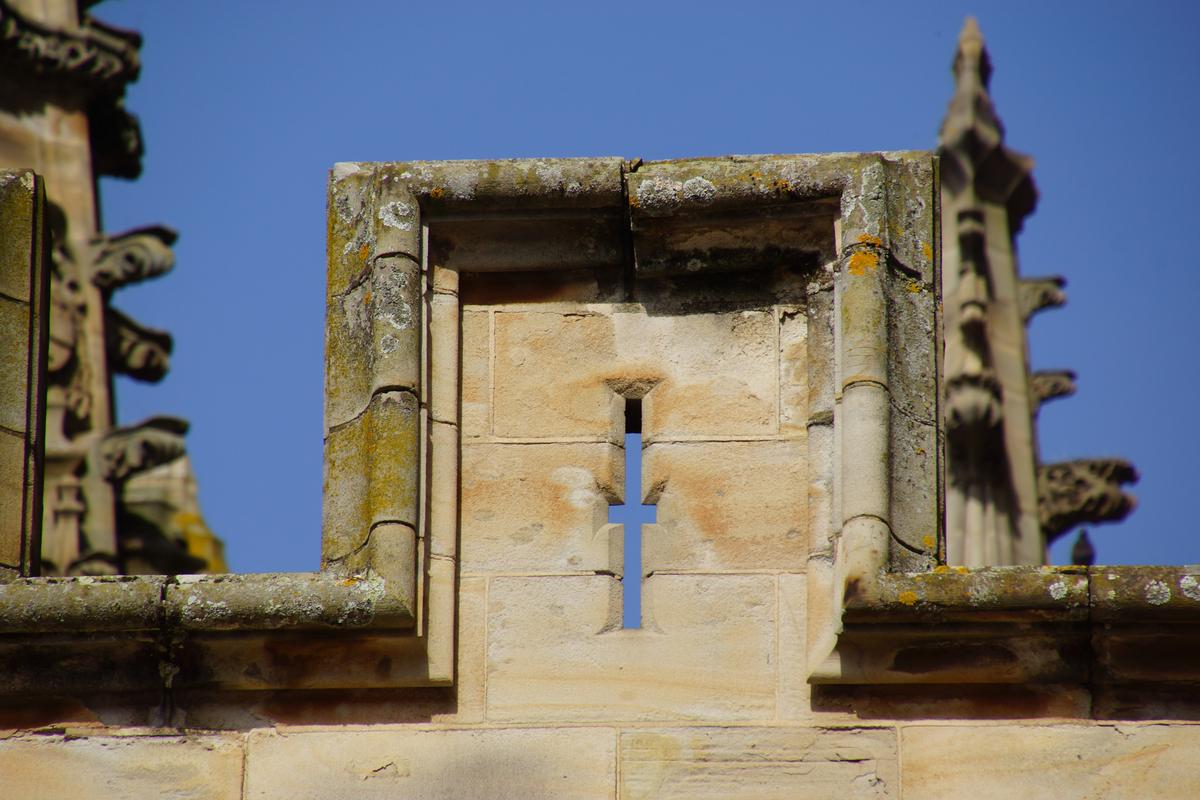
<point>24,320</point>
<point>374,408</point>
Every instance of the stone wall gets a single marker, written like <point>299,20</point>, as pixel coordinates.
<point>767,579</point>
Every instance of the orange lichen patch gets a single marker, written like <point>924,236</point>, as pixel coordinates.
<point>349,581</point>
<point>437,192</point>
<point>363,252</point>
<point>940,569</point>
<point>912,287</point>
<point>928,541</point>
<point>926,250</point>
<point>861,262</point>
<point>907,598</point>
<point>867,238</point>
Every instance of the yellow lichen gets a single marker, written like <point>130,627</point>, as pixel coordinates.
<point>867,238</point>
<point>437,192</point>
<point>928,541</point>
<point>860,262</point>
<point>907,598</point>
<point>926,250</point>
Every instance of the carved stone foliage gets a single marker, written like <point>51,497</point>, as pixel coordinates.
<point>136,350</point>
<point>95,55</point>
<point>1086,490</point>
<point>1049,384</point>
<point>1035,294</point>
<point>137,448</point>
<point>133,256</point>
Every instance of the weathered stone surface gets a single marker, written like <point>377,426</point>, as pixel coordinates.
<point>795,693</point>
<point>538,507</point>
<point>371,473</point>
<point>1109,761</point>
<point>550,371</point>
<point>556,649</point>
<point>701,374</point>
<point>793,371</point>
<point>54,767</point>
<point>471,676</point>
<point>726,505</point>
<point>476,399</point>
<point>578,762</point>
<point>758,763</point>
<point>372,338</point>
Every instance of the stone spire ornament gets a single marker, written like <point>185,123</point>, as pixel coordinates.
<point>1002,506</point>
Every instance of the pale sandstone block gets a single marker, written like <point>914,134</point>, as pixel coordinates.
<point>53,768</point>
<point>795,694</point>
<point>793,371</point>
<point>443,489</point>
<point>470,678</point>
<point>443,357</point>
<point>565,374</point>
<point>556,650</point>
<point>1068,761</point>
<point>550,375</point>
<point>763,763</point>
<point>538,508</point>
<point>718,372</point>
<point>429,764</point>
<point>476,408</point>
<point>726,505</point>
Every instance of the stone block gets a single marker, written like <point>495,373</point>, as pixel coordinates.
<point>758,763</point>
<point>443,489</point>
<point>476,396</point>
<point>1038,761</point>
<point>563,374</point>
<point>53,768</point>
<point>795,694</point>
<point>726,505</point>
<point>550,372</point>
<point>471,674</point>
<point>538,507</point>
<point>523,763</point>
<point>793,371</point>
<point>444,352</point>
<point>556,649</point>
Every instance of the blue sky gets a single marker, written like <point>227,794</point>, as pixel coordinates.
<point>246,105</point>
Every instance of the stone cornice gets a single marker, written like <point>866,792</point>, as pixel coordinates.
<point>1008,625</point>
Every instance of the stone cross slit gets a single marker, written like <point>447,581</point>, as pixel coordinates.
<point>631,515</point>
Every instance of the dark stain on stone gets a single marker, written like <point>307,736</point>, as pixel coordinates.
<point>940,656</point>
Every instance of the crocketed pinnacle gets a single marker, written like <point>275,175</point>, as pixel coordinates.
<point>971,140</point>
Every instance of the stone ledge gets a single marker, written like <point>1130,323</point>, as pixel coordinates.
<point>160,633</point>
<point>1088,625</point>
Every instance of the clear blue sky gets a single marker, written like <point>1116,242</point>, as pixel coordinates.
<point>246,105</point>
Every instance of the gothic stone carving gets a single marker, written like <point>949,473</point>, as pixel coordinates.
<point>1035,294</point>
<point>1084,490</point>
<point>133,256</point>
<point>134,349</point>
<point>1049,384</point>
<point>96,55</point>
<point>128,451</point>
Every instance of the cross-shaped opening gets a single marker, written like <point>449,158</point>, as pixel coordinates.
<point>631,516</point>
